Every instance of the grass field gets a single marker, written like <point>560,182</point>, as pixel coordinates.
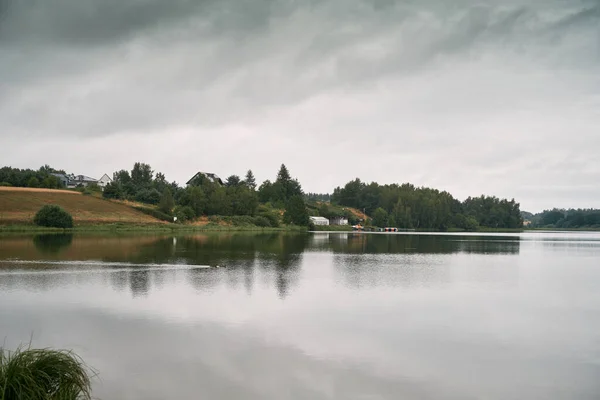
<point>19,205</point>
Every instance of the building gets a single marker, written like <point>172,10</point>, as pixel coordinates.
<point>319,220</point>
<point>105,180</point>
<point>72,181</point>
<point>64,179</point>
<point>80,180</point>
<point>214,178</point>
<point>338,221</point>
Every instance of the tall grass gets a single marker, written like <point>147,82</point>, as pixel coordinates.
<point>43,374</point>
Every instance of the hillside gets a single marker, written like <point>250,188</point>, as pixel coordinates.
<point>19,205</point>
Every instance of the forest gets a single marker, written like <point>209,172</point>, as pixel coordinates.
<point>282,200</point>
<point>565,218</point>
<point>407,206</point>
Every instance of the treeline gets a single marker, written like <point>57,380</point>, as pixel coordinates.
<point>407,206</point>
<point>204,196</point>
<point>566,219</point>
<point>41,178</point>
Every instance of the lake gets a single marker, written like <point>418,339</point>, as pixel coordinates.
<point>315,316</point>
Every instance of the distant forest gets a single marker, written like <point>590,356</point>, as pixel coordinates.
<point>402,206</point>
<point>564,219</point>
<point>407,206</point>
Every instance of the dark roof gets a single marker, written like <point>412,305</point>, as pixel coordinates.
<point>210,176</point>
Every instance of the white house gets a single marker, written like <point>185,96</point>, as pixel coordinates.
<point>338,221</point>
<point>105,180</point>
<point>319,220</point>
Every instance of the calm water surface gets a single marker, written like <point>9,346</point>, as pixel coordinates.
<point>321,316</point>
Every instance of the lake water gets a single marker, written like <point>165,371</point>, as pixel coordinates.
<point>319,316</point>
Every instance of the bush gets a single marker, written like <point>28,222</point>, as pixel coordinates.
<point>272,217</point>
<point>113,190</point>
<point>149,196</point>
<point>262,221</point>
<point>5,184</point>
<point>43,374</point>
<point>53,216</point>
<point>185,213</point>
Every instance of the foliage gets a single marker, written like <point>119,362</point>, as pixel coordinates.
<point>148,196</point>
<point>184,213</point>
<point>33,182</point>
<point>53,216</point>
<point>250,181</point>
<point>380,218</point>
<point>313,197</point>
<point>262,221</point>
<point>282,190</point>
<point>233,180</point>
<point>30,178</point>
<point>423,208</point>
<point>166,202</point>
<point>141,174</point>
<point>295,212</point>
<point>113,190</point>
<point>32,374</point>
<point>567,219</point>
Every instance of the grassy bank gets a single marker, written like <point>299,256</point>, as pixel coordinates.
<point>159,228</point>
<point>331,228</point>
<point>19,205</point>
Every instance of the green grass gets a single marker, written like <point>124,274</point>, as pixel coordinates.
<point>159,228</point>
<point>43,374</point>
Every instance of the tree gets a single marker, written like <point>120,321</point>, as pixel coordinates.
<point>141,174</point>
<point>380,218</point>
<point>166,203</point>
<point>233,180</point>
<point>250,181</point>
<point>195,198</point>
<point>295,212</point>
<point>218,203</point>
<point>33,182</point>
<point>53,216</point>
<point>113,190</point>
<point>121,177</point>
<point>265,192</point>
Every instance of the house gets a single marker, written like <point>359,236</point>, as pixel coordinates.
<point>71,181</point>
<point>105,180</point>
<point>338,221</point>
<point>206,175</point>
<point>80,180</point>
<point>64,179</point>
<point>319,220</point>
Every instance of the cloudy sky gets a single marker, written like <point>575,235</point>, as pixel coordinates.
<point>469,96</point>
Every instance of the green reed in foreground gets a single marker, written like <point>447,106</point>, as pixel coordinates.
<point>43,374</point>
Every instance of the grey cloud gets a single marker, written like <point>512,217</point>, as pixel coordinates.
<point>404,79</point>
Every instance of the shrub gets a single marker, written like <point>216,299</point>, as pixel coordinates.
<point>149,196</point>
<point>6,184</point>
<point>43,374</point>
<point>185,213</point>
<point>113,190</point>
<point>262,221</point>
<point>53,216</point>
<point>272,217</point>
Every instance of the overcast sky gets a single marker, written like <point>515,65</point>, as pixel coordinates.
<point>474,97</point>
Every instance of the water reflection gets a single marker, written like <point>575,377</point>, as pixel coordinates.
<point>359,243</point>
<point>274,258</point>
<point>52,243</point>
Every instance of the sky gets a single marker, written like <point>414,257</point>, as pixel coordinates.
<point>469,96</point>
